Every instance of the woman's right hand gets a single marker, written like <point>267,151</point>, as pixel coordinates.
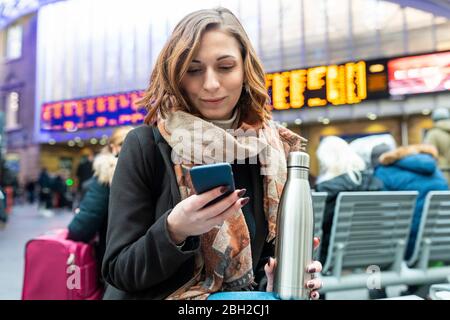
<point>189,218</point>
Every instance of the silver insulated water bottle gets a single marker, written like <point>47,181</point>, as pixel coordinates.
<point>295,225</point>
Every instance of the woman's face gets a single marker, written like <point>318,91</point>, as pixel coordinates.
<point>214,80</point>
<point>115,148</point>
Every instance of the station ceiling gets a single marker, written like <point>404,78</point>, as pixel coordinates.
<point>11,10</point>
<point>436,7</point>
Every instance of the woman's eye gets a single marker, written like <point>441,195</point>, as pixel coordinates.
<point>226,67</point>
<point>193,71</point>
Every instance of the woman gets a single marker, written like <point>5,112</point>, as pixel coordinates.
<point>341,170</point>
<point>92,217</point>
<point>161,244</point>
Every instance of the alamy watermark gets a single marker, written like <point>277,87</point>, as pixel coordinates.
<point>374,279</point>
<point>74,279</point>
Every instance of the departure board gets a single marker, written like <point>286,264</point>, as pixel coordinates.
<point>349,83</point>
<point>426,73</point>
<point>94,112</point>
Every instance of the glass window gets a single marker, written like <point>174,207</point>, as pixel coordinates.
<point>391,31</point>
<point>442,34</point>
<point>12,110</point>
<point>270,35</point>
<point>338,18</point>
<point>315,32</point>
<point>249,19</point>
<point>291,28</point>
<point>368,18</point>
<point>14,42</point>
<point>420,30</point>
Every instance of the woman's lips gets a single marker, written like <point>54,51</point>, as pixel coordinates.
<point>213,101</point>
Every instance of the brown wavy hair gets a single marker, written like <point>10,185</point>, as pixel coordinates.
<point>164,93</point>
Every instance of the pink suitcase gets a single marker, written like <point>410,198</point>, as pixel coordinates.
<point>60,269</point>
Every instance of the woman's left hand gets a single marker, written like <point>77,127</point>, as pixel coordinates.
<point>313,284</point>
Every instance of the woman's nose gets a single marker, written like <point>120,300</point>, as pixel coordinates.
<point>211,82</point>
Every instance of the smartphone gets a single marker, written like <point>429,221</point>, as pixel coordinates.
<point>210,176</point>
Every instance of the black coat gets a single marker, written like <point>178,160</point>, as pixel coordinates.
<point>141,261</point>
<point>92,218</point>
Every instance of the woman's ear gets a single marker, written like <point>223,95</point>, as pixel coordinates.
<point>246,88</point>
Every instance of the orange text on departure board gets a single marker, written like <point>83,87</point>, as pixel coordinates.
<point>318,86</point>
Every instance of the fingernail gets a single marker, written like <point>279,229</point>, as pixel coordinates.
<point>271,261</point>
<point>241,193</point>
<point>312,270</point>
<point>310,285</point>
<point>223,189</point>
<point>245,201</point>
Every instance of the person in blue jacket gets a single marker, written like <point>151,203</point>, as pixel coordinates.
<point>91,220</point>
<point>409,168</point>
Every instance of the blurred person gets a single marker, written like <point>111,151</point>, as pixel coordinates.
<point>30,188</point>
<point>439,136</point>
<point>4,178</point>
<point>341,169</point>
<point>10,184</point>
<point>84,175</point>
<point>60,190</point>
<point>3,215</point>
<point>45,193</point>
<point>409,168</point>
<point>84,170</point>
<point>161,242</point>
<point>363,146</point>
<point>92,217</point>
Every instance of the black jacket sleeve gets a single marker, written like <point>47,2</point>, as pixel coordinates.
<point>139,252</point>
<point>93,212</point>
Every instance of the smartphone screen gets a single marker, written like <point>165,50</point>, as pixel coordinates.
<point>210,176</point>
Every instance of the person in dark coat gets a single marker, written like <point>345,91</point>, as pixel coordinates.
<point>85,170</point>
<point>3,215</point>
<point>30,188</point>
<point>341,170</point>
<point>91,220</point>
<point>45,192</point>
<point>59,190</point>
<point>161,242</point>
<point>413,168</point>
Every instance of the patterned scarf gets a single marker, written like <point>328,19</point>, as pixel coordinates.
<point>224,261</point>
